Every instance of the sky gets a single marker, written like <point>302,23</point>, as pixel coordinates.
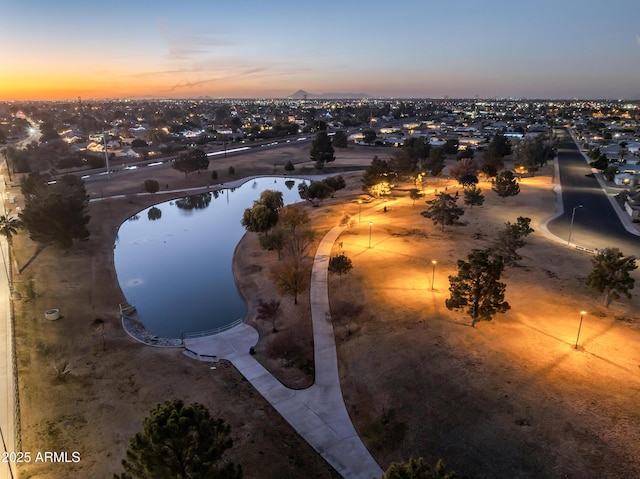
<point>558,49</point>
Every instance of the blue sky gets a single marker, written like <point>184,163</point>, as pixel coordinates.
<point>460,48</point>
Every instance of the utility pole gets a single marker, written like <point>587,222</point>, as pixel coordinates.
<point>106,155</point>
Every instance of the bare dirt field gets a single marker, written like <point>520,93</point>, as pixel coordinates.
<point>508,398</point>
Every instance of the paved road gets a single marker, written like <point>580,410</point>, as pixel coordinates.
<point>598,223</point>
<point>317,413</point>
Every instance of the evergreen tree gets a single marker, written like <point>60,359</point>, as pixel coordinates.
<point>477,287</point>
<point>511,238</point>
<point>610,275</point>
<point>443,209</point>
<point>505,184</point>
<point>179,441</point>
<point>340,139</point>
<point>322,151</point>
<point>289,167</point>
<point>473,196</point>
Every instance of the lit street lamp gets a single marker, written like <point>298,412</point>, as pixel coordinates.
<point>433,273</point>
<point>573,215</point>
<point>359,209</point>
<point>370,225</point>
<point>582,313</point>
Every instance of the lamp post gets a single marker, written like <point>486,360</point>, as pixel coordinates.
<point>573,215</point>
<point>359,209</point>
<point>433,273</point>
<point>582,313</point>
<point>370,225</point>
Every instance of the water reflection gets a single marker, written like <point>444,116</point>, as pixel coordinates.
<point>194,202</point>
<point>178,271</point>
<point>154,213</point>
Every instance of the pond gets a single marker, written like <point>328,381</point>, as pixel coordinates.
<point>174,260</point>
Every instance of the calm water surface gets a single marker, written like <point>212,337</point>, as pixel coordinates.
<point>173,260</point>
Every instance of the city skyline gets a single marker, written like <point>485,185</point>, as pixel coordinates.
<point>459,49</point>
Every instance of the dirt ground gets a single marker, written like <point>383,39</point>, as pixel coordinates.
<point>508,398</point>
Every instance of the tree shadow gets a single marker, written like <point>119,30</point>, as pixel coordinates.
<point>37,252</point>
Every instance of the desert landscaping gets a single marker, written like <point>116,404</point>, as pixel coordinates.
<point>510,398</point>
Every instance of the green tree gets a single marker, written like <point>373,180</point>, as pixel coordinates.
<point>477,287</point>
<point>269,311</point>
<point>263,215</point>
<point>340,139</point>
<point>418,469</point>
<point>336,183</point>
<point>377,172</point>
<point>418,148</point>
<point>511,239</point>
<point>322,151</point>
<point>151,186</point>
<point>183,164</point>
<point>180,441</point>
<point>274,241</point>
<point>57,214</point>
<point>443,209</point>
<point>500,146</point>
<point>450,147</point>
<point>473,196</point>
<point>610,275</point>
<point>435,162</point>
<point>200,159</point>
<point>369,136</point>
<point>340,264</point>
<point>288,166</point>
<point>404,162</point>
<point>415,194</point>
<point>610,172</point>
<point>505,184</point>
<point>315,192</point>
<point>600,163</point>
<point>194,160</point>
<point>532,153</point>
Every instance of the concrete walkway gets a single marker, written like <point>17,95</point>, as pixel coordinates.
<point>317,413</point>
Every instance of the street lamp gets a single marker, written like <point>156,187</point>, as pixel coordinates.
<point>573,215</point>
<point>359,209</point>
<point>370,225</point>
<point>433,273</point>
<point>582,313</point>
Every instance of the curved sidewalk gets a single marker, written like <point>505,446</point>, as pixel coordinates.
<point>317,413</point>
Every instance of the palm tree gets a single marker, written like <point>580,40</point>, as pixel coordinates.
<point>9,226</point>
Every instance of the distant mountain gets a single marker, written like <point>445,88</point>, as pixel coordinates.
<point>301,95</point>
